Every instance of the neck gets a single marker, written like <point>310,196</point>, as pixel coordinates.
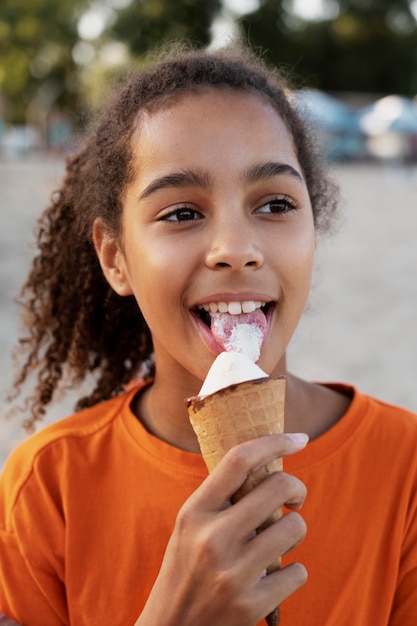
<point>312,408</point>
<point>161,409</point>
<point>309,408</point>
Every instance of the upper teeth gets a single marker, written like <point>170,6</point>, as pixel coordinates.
<point>234,308</point>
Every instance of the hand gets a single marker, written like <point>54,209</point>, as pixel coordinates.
<point>213,570</point>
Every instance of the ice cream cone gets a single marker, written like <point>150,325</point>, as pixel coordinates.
<point>235,414</point>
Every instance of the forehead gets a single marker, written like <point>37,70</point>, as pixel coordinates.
<point>213,104</point>
<point>221,125</point>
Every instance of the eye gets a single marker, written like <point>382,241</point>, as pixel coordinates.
<point>278,206</point>
<point>182,214</point>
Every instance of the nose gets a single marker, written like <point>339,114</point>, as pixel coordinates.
<point>234,246</point>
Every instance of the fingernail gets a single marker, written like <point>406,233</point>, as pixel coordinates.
<point>301,439</point>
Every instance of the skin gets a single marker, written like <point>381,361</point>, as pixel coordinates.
<point>225,226</point>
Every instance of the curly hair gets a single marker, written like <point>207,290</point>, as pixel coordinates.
<point>76,324</point>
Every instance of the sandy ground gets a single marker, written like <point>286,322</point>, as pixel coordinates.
<point>361,323</point>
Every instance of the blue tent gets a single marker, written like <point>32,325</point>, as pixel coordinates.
<point>327,112</point>
<point>391,114</point>
<point>337,124</point>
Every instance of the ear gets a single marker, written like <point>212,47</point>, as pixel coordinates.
<point>111,258</point>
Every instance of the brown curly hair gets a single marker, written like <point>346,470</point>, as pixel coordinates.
<point>76,324</point>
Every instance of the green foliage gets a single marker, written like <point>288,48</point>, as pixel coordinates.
<point>370,45</point>
<point>367,45</point>
<point>36,38</point>
<point>145,24</point>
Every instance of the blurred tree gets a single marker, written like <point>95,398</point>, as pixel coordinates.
<point>36,65</point>
<point>45,44</point>
<point>366,45</point>
<point>145,24</point>
<point>50,49</point>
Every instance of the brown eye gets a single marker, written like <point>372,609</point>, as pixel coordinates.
<point>183,214</point>
<point>277,206</point>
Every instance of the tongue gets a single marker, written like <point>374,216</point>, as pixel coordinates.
<point>242,333</point>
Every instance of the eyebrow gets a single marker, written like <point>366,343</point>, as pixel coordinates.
<point>191,178</point>
<point>262,171</point>
<point>185,178</point>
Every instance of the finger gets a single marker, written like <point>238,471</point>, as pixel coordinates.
<point>276,587</point>
<point>242,459</point>
<point>260,505</point>
<point>266,548</point>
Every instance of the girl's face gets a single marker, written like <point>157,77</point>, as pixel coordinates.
<point>218,212</point>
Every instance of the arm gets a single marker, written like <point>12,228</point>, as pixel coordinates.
<point>213,567</point>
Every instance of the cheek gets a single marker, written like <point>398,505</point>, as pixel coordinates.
<point>300,256</point>
<point>155,276</point>
<point>296,284</point>
<point>307,259</point>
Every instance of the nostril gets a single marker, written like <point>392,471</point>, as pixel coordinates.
<point>234,255</point>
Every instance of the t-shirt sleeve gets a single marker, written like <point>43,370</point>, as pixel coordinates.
<point>32,591</point>
<point>27,595</point>
<point>405,602</point>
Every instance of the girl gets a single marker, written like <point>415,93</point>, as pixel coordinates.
<point>200,190</point>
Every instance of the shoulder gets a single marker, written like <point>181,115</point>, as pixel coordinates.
<point>382,412</point>
<point>384,428</point>
<point>373,443</point>
<point>396,425</point>
<point>319,408</point>
<point>56,450</point>
<point>81,425</point>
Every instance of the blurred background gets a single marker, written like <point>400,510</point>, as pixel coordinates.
<point>355,62</point>
<point>354,65</point>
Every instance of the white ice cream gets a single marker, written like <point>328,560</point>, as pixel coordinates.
<point>246,339</point>
<point>230,368</point>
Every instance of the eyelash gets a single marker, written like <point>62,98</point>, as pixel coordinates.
<point>286,205</point>
<point>181,209</point>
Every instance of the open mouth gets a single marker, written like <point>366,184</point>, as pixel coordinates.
<point>244,309</point>
<point>235,326</point>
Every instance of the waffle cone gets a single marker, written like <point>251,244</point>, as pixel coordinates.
<point>236,414</point>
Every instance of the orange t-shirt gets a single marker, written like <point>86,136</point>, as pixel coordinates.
<point>88,504</point>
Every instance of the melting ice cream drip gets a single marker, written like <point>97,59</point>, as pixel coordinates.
<point>242,333</point>
<point>246,339</point>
